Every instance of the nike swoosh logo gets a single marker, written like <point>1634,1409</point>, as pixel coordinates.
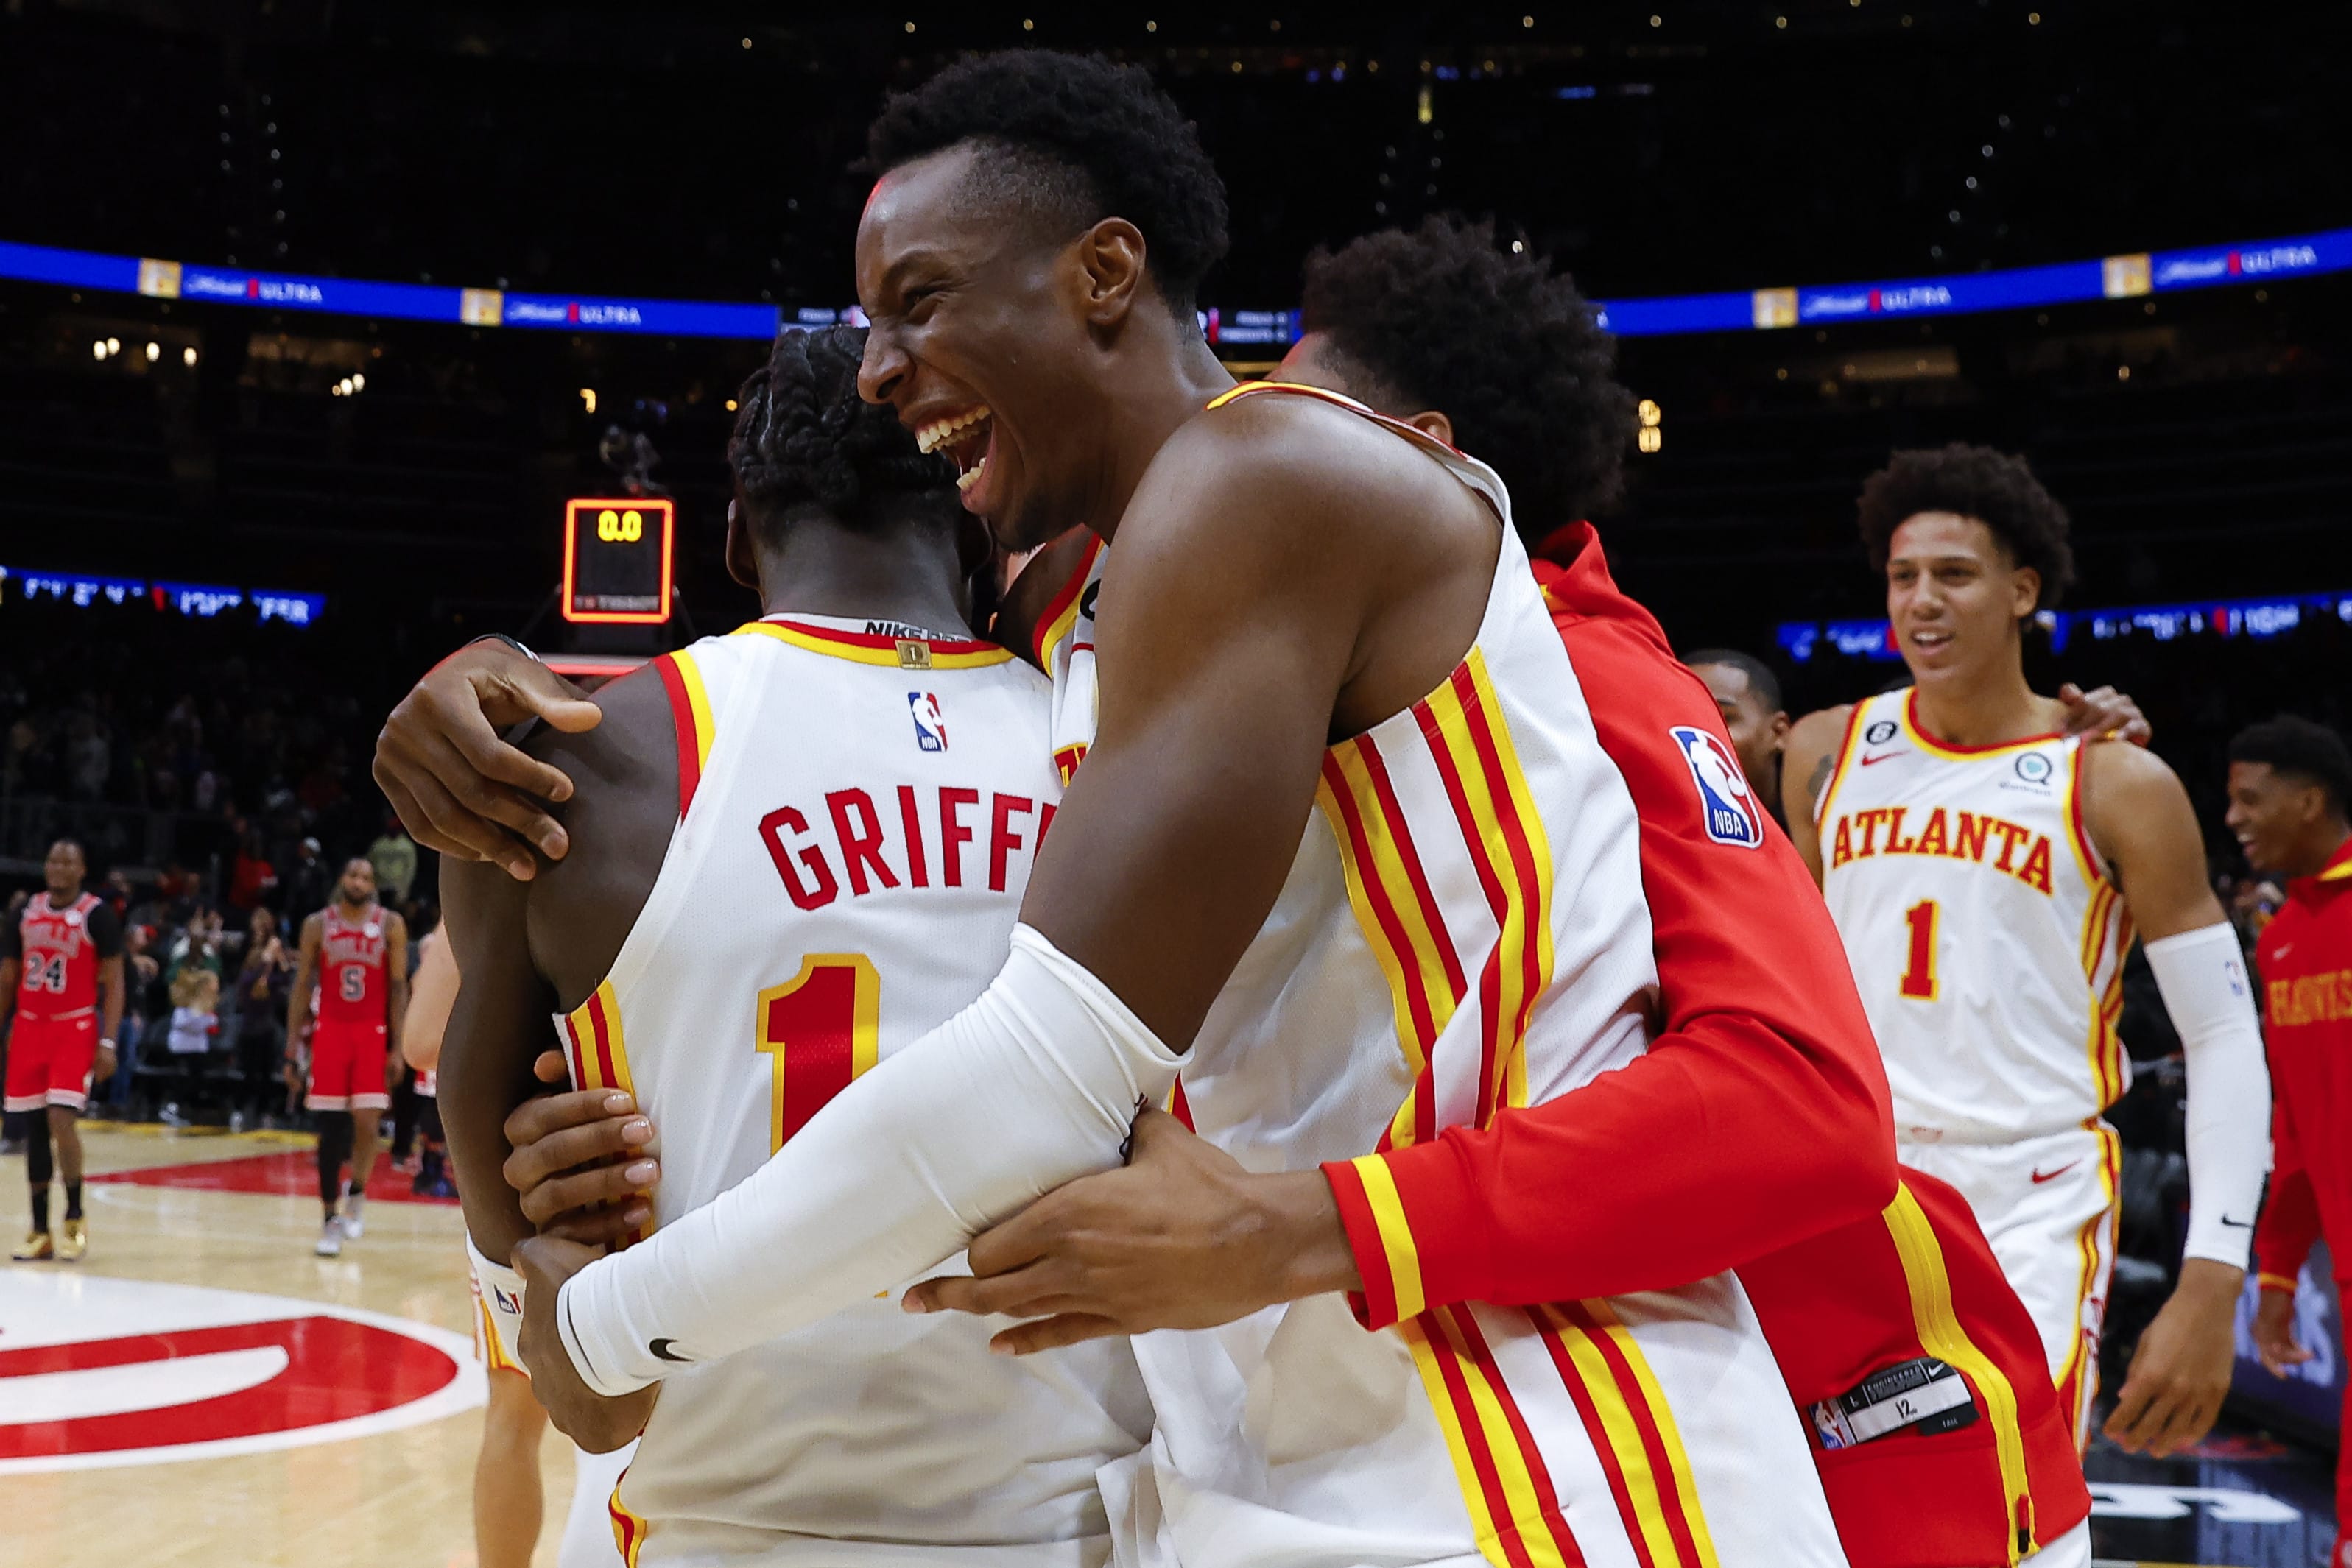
<point>2039,1176</point>
<point>660,1347</point>
<point>1880,758</point>
<point>2237,1224</point>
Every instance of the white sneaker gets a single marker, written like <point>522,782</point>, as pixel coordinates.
<point>331,1240</point>
<point>355,1215</point>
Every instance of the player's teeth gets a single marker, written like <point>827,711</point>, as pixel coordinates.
<point>931,436</point>
<point>964,480</point>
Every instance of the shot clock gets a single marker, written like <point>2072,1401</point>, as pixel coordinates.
<point>616,561</point>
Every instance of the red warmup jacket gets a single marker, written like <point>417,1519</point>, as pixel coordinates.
<point>1754,1133</point>
<point>2304,959</point>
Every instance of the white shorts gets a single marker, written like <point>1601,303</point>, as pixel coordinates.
<point>591,1534</point>
<point>2047,1204</point>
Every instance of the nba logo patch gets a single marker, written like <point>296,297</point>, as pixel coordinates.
<point>1727,807</point>
<point>508,1302</point>
<point>931,729</point>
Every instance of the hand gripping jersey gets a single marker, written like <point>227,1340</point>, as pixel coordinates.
<point>1463,929</point>
<point>857,818</point>
<point>352,988</point>
<point>1985,939</point>
<point>58,952</point>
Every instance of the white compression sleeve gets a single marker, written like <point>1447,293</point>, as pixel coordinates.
<point>1033,1085</point>
<point>2202,974</point>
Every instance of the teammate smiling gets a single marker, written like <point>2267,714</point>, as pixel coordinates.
<point>1988,874</point>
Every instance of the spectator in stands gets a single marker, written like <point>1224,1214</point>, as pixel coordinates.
<point>195,1021</point>
<point>309,881</point>
<point>252,879</point>
<point>198,946</point>
<point>393,855</point>
<point>139,972</point>
<point>262,987</point>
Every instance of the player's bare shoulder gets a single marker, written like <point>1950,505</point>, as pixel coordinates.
<point>1812,750</point>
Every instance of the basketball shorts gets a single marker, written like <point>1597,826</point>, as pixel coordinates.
<point>49,1061</point>
<point>347,1063</point>
<point>2047,1204</point>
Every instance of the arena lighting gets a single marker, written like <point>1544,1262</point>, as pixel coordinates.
<point>1951,294</point>
<point>2257,618</point>
<point>188,358</point>
<point>1649,439</point>
<point>98,349</point>
<point>201,600</point>
<point>588,397</point>
<point>1648,412</point>
<point>154,352</point>
<point>359,381</point>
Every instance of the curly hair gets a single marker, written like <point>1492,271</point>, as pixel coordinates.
<point>1442,318</point>
<point>804,439</point>
<point>1993,488</point>
<point>2299,749</point>
<point>1086,139</point>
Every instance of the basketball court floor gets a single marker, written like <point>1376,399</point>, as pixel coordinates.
<point>202,1390</point>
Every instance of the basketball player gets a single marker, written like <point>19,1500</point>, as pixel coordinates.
<point>355,962</point>
<point>1291,569</point>
<point>803,847</point>
<point>61,969</point>
<point>1988,877</point>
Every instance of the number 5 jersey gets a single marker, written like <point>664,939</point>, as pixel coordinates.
<point>858,811</point>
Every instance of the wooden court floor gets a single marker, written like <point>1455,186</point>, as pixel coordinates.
<point>393,1497</point>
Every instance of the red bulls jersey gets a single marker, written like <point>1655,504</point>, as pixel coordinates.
<point>59,951</point>
<point>352,989</point>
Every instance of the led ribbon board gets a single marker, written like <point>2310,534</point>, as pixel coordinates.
<point>616,560</point>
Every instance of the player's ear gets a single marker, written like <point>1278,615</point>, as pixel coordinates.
<point>1780,728</point>
<point>1432,422</point>
<point>1110,256</point>
<point>742,563</point>
<point>2025,592</point>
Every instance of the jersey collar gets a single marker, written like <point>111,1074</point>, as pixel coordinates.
<point>2334,877</point>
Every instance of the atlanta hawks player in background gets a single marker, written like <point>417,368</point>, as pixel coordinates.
<point>1987,874</point>
<point>355,963</point>
<point>61,969</point>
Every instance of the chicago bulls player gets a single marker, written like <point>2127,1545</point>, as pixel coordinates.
<point>61,969</point>
<point>355,962</point>
<point>1987,874</point>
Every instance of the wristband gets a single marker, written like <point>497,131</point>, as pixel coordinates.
<point>105,1044</point>
<point>514,643</point>
<point>2276,1282</point>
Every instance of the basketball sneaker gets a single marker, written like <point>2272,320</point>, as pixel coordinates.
<point>331,1240</point>
<point>34,1248</point>
<point>355,1215</point>
<point>73,1241</point>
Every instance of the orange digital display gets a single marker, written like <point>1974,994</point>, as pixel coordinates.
<point>616,560</point>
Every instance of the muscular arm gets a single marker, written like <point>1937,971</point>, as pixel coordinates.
<point>395,976</point>
<point>430,998</point>
<point>496,1025</point>
<point>1808,757</point>
<point>305,978</point>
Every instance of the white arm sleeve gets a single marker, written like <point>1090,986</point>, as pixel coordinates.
<point>2202,974</point>
<point>1033,1085</point>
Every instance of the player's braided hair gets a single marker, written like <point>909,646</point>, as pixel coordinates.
<point>1444,318</point>
<point>803,438</point>
<point>1082,139</point>
<point>1995,488</point>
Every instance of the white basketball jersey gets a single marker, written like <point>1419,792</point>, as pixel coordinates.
<point>859,814</point>
<point>1986,939</point>
<point>1463,929</point>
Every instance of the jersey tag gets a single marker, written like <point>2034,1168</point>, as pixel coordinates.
<point>1925,1393</point>
<point>914,655</point>
<point>1727,809</point>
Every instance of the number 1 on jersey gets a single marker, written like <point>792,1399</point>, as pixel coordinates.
<point>1919,978</point>
<point>819,1031</point>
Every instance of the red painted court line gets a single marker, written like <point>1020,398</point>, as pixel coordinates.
<point>292,1174</point>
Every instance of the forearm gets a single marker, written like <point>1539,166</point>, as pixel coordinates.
<point>479,1085</point>
<point>2202,976</point>
<point>1034,1084</point>
<point>110,1004</point>
<point>396,1014</point>
<point>2290,1224</point>
<point>1726,1142</point>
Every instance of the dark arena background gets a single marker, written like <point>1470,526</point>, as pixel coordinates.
<point>334,333</point>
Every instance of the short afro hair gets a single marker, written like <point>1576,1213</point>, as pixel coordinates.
<point>2298,748</point>
<point>1995,488</point>
<point>1088,140</point>
<point>805,440</point>
<point>1761,681</point>
<point>1444,318</point>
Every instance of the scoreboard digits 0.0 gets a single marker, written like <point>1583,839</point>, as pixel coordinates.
<point>616,560</point>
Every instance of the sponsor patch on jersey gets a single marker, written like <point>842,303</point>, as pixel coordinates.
<point>1728,810</point>
<point>931,729</point>
<point>2033,768</point>
<point>1879,734</point>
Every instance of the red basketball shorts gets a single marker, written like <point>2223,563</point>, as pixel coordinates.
<point>49,1061</point>
<point>347,1064</point>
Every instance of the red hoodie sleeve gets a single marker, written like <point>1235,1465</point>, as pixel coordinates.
<point>2290,1221</point>
<point>1758,1117</point>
